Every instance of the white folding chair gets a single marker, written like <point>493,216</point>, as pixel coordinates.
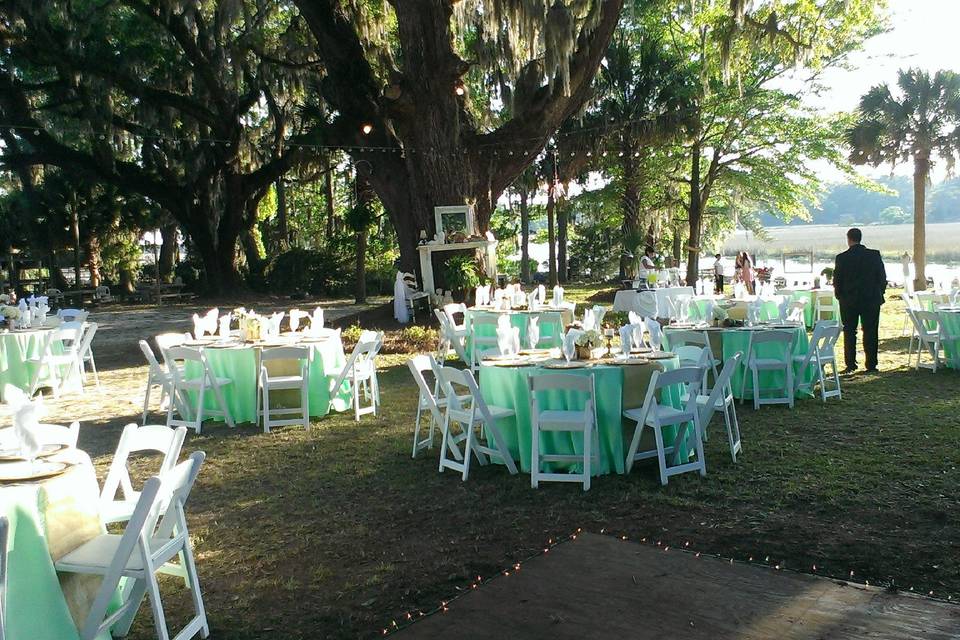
<point>57,434</point>
<point>167,340</point>
<point>57,369</point>
<point>300,381</point>
<point>909,304</point>
<point>134,439</point>
<point>433,401</point>
<point>452,310</point>
<point>820,353</point>
<point>199,385</point>
<point>147,547</point>
<point>824,306</point>
<point>4,528</point>
<point>450,338</point>
<point>73,315</point>
<point>695,338</point>
<point>360,375</point>
<point>655,415</point>
<point>927,326</point>
<point>795,311</point>
<point>780,342</point>
<point>414,294</point>
<point>469,410</point>
<point>485,345</point>
<point>721,399</point>
<point>694,356</point>
<point>86,352</point>
<point>551,328</point>
<point>583,422</point>
<point>156,377</point>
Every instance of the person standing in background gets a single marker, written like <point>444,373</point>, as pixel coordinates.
<point>859,281</point>
<point>746,272</point>
<point>718,275</point>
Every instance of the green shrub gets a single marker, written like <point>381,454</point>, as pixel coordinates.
<point>460,273</point>
<point>309,271</point>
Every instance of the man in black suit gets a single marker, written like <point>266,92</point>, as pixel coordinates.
<point>859,280</point>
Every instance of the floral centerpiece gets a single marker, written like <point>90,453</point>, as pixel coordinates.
<point>764,274</point>
<point>9,313</point>
<point>4,298</point>
<point>251,324</point>
<point>585,343</point>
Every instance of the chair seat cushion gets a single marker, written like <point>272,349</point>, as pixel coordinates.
<point>196,383</point>
<point>561,417</point>
<point>95,555</point>
<point>767,363</point>
<point>274,381</point>
<point>500,412</point>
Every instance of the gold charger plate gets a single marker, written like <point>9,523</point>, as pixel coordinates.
<point>560,364</point>
<point>22,470</point>
<point>632,361</point>
<point>12,455</point>
<point>510,363</point>
<point>660,355</point>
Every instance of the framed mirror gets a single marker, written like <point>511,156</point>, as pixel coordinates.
<point>451,219</point>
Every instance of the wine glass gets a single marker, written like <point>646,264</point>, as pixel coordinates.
<point>294,322</point>
<point>569,349</point>
<point>656,339</point>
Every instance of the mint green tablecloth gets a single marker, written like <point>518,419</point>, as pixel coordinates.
<point>508,387</point>
<point>48,519</point>
<point>241,365</point>
<point>726,342</point>
<point>520,320</point>
<point>951,350</point>
<point>16,347</point>
<point>808,311</point>
<point>737,309</point>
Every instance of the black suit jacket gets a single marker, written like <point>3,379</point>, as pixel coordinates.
<point>859,277</point>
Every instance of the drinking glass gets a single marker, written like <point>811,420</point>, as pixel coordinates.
<point>569,349</point>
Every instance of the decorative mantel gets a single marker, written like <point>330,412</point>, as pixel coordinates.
<point>426,251</point>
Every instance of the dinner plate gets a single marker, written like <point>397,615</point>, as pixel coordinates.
<point>631,361</point>
<point>511,363</point>
<point>23,470</point>
<point>496,358</point>
<point>660,355</point>
<point>534,352</point>
<point>46,451</point>
<point>560,364</point>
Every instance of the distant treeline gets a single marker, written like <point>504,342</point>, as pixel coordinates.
<point>848,204</point>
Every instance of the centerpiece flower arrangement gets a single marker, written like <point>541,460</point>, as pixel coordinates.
<point>764,274</point>
<point>586,342</point>
<point>9,313</point>
<point>4,298</point>
<point>720,315</point>
<point>251,324</point>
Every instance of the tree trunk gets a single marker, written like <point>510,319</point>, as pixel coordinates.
<point>168,251</point>
<point>283,230</point>
<point>524,236</point>
<point>562,220</point>
<point>694,215</point>
<point>329,196</point>
<point>677,245</point>
<point>631,230</point>
<point>921,172</point>
<point>551,233</point>
<point>93,260</point>
<point>75,234</point>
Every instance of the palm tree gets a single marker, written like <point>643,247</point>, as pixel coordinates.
<point>648,88</point>
<point>919,121</point>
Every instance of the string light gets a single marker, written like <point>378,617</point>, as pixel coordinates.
<point>366,128</point>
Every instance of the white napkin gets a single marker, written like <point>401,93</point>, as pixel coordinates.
<point>508,340</point>
<point>635,318</point>
<point>557,295</point>
<point>532,300</point>
<point>316,321</point>
<point>588,321</point>
<point>637,335</point>
<point>656,335</point>
<point>199,326</point>
<point>274,323</point>
<point>626,338</point>
<point>223,330</point>
<point>25,429</point>
<point>598,312</point>
<point>541,294</point>
<point>503,322</point>
<point>571,337</point>
<point>533,331</point>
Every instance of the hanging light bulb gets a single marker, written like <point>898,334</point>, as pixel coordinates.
<point>459,89</point>
<point>366,127</point>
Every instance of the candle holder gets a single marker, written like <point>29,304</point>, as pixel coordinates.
<point>608,334</point>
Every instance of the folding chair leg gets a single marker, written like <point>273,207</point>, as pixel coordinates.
<point>198,421</point>
<point>153,594</point>
<point>587,454</point>
<point>755,374</point>
<point>146,402</point>
<point>134,591</point>
<point>661,455</point>
<point>194,584</point>
<point>535,457</point>
<point>221,400</point>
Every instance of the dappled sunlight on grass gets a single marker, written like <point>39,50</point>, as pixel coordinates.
<point>329,532</point>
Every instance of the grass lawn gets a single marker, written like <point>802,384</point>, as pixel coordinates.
<point>335,532</point>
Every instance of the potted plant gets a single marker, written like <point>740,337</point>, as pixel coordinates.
<point>460,275</point>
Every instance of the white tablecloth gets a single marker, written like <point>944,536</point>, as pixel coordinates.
<point>649,303</point>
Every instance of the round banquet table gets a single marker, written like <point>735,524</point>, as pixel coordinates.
<point>16,348</point>
<point>617,387</point>
<point>725,342</point>
<point>519,319</point>
<point>49,518</point>
<point>241,364</point>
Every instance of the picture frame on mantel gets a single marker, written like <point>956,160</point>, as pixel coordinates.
<point>450,219</point>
